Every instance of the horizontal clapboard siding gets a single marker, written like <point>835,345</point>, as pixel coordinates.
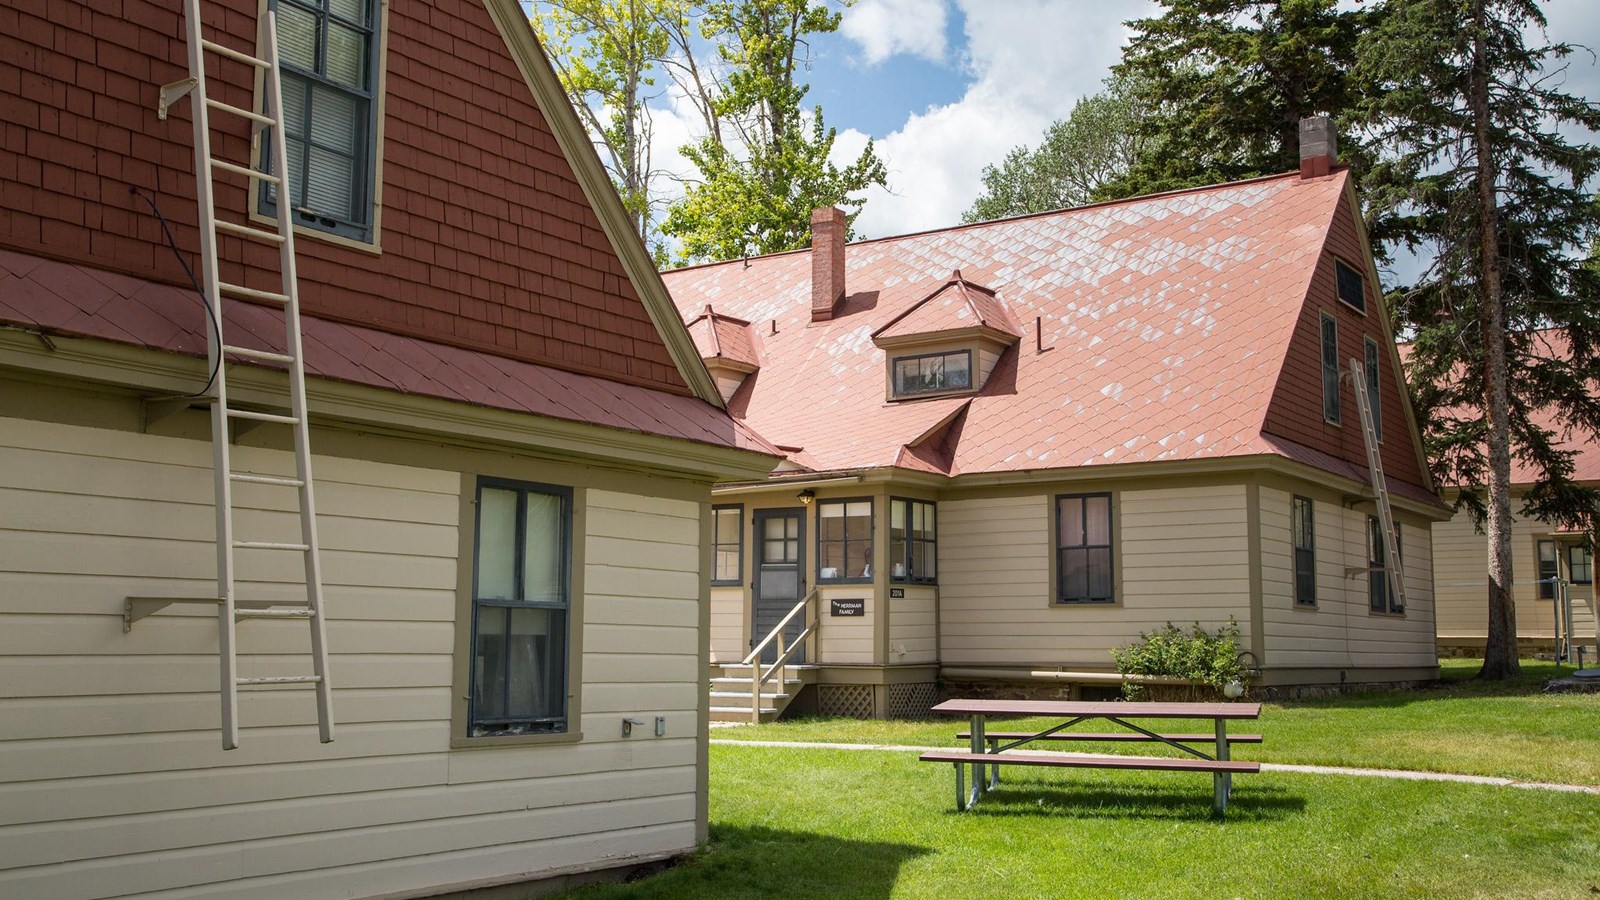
<point>112,780</point>
<point>1182,556</point>
<point>1340,631</point>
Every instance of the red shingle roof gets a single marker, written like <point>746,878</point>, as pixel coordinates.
<point>1165,322</point>
<point>64,298</point>
<point>723,337</point>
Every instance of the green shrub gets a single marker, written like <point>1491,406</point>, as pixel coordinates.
<point>1212,658</point>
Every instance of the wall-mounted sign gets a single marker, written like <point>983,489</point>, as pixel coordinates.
<point>897,593</point>
<point>848,607</point>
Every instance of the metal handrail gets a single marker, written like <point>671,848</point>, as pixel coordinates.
<point>758,677</point>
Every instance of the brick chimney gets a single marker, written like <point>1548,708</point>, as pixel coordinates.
<point>1319,146</point>
<point>827,261</point>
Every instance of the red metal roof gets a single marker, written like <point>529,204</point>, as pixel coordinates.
<point>723,337</point>
<point>1552,344</point>
<point>63,298</point>
<point>1164,323</point>
<point>957,304</point>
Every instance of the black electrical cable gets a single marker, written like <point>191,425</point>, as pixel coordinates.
<point>211,316</point>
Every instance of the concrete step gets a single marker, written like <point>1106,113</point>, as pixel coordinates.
<point>732,684</point>
<point>736,696</point>
<point>740,714</point>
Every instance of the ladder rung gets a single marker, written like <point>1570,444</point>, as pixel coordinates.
<point>263,417</point>
<point>252,293</point>
<point>241,113</point>
<point>265,479</point>
<point>245,230</point>
<point>281,679</point>
<point>267,355</point>
<point>246,171</point>
<point>270,545</point>
<point>298,613</point>
<point>233,54</point>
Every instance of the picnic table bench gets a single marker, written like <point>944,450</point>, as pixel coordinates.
<point>991,749</point>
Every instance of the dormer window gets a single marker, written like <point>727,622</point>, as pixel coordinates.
<point>933,373</point>
<point>946,343</point>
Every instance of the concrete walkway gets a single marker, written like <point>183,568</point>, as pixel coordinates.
<point>1404,774</point>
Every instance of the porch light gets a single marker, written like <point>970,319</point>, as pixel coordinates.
<point>806,496</point>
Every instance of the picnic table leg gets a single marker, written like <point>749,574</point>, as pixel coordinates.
<point>961,790</point>
<point>1222,782</point>
<point>979,745</point>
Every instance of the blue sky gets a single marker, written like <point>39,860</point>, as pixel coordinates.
<point>944,87</point>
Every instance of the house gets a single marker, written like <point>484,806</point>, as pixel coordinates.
<point>1553,564</point>
<point>512,435</point>
<point>1013,446</point>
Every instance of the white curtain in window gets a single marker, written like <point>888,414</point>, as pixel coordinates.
<point>542,552</point>
<point>497,536</point>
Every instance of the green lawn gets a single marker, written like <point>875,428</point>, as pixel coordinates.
<point>803,823</point>
<point>1510,730</point>
<point>825,823</point>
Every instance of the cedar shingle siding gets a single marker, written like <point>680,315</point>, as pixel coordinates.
<point>487,240</point>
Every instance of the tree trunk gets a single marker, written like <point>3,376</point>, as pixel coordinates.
<point>1500,650</point>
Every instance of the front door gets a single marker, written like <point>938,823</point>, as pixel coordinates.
<point>780,579</point>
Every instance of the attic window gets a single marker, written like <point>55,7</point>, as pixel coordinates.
<point>933,373</point>
<point>1350,289</point>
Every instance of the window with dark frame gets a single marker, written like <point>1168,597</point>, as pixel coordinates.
<point>328,50</point>
<point>933,372</point>
<point>1580,564</point>
<point>1549,570</point>
<point>1303,537</point>
<point>1083,549</point>
<point>1373,394</point>
<point>520,587</point>
<point>844,540</point>
<point>1348,280</point>
<point>727,545</point>
<point>1381,596</point>
<point>1330,369</point>
<point>912,529</point>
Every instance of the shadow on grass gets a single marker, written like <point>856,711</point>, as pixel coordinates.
<point>1457,684</point>
<point>743,862</point>
<point>1249,802</point>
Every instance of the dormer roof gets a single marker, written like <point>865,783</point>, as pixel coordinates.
<point>956,306</point>
<point>721,338</point>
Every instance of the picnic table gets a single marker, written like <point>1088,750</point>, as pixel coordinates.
<point>990,748</point>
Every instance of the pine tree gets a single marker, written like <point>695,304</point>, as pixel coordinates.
<point>1230,81</point>
<point>1479,176</point>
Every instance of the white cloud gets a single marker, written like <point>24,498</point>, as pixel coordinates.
<point>884,28</point>
<point>1031,61</point>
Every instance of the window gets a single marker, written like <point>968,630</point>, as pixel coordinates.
<point>1372,388</point>
<point>1548,573</point>
<point>1083,549</point>
<point>520,598</point>
<point>1349,283</point>
<point>1303,537</point>
<point>1580,564</point>
<point>1330,370</point>
<point>1380,593</point>
<point>727,544</point>
<point>911,541</point>
<point>844,540</point>
<point>934,372</point>
<point>328,50</point>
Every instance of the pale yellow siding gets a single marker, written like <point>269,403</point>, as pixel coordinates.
<point>1182,556</point>
<point>913,625</point>
<point>1461,570</point>
<point>730,629</point>
<point>847,640</point>
<point>1340,631</point>
<point>112,779</point>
